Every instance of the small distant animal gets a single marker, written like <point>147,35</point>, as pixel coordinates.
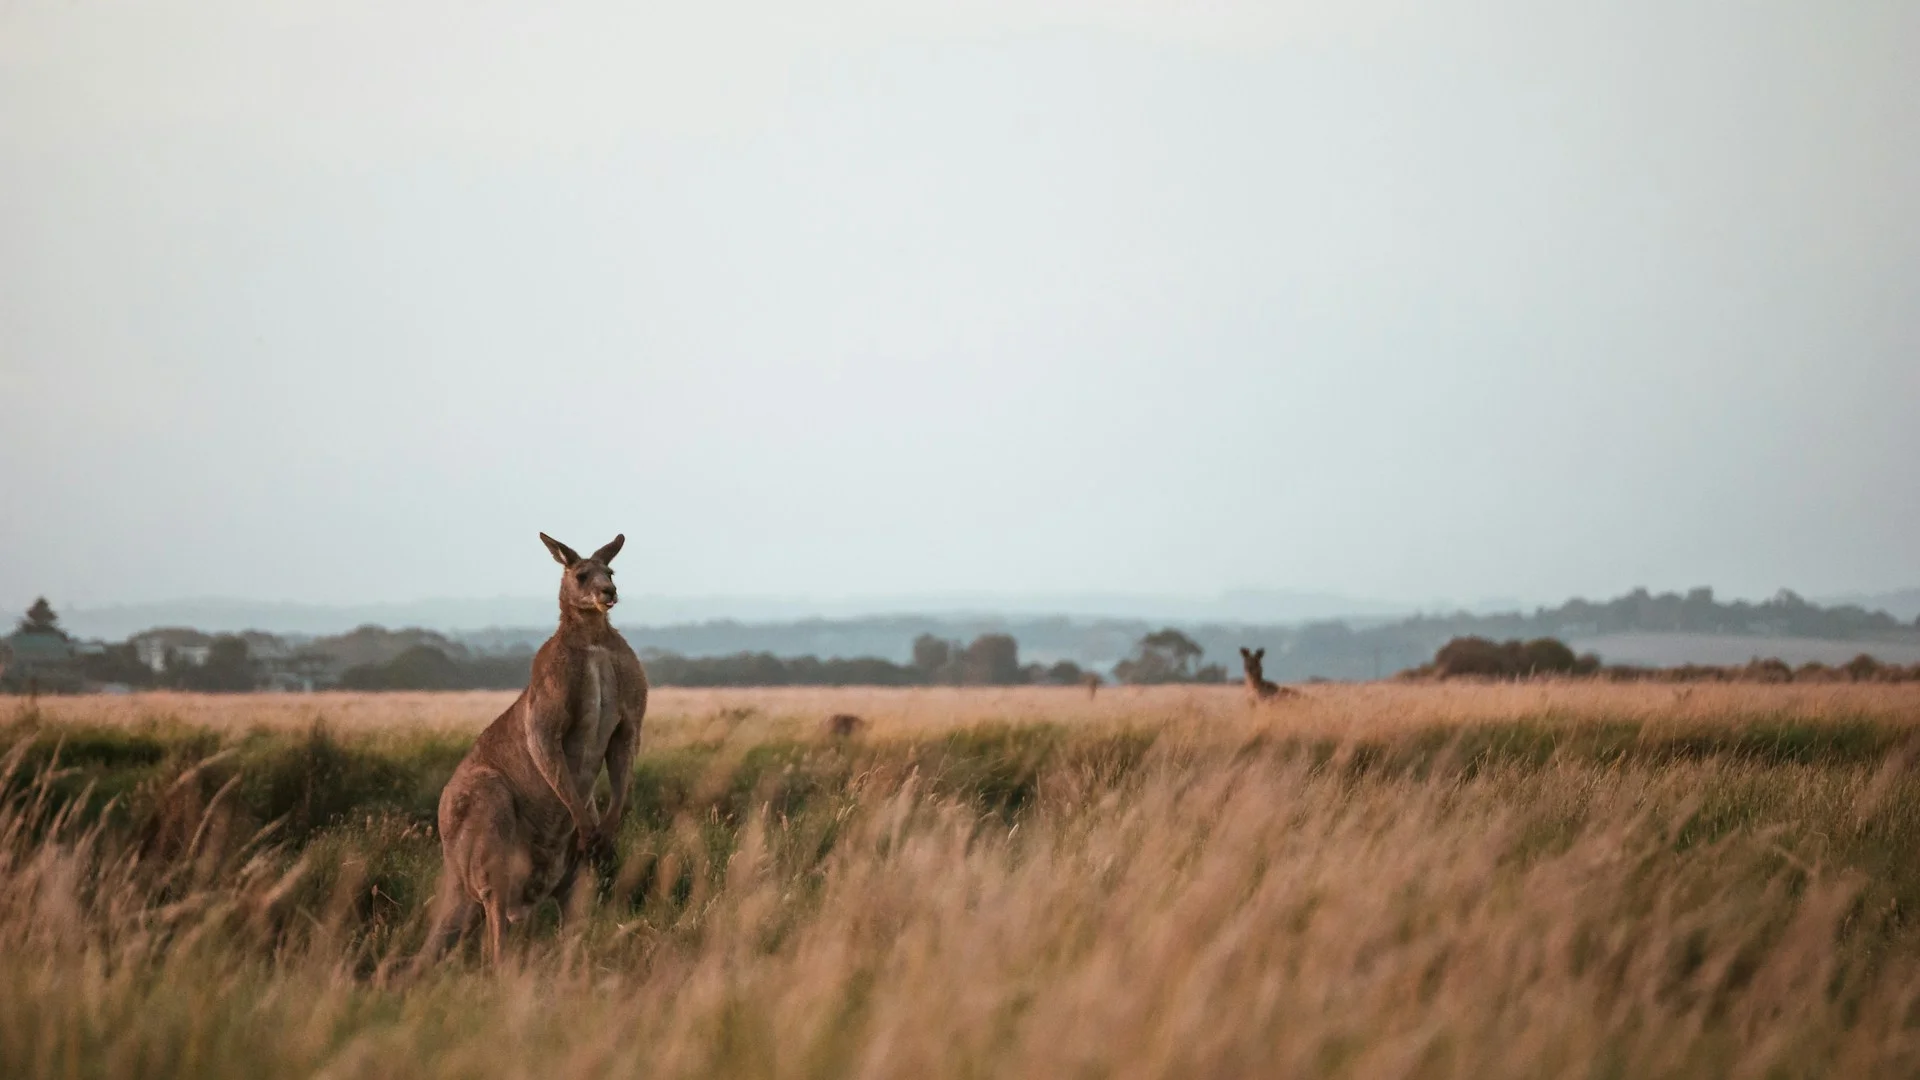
<point>1093,684</point>
<point>1258,688</point>
<point>517,819</point>
<point>844,725</point>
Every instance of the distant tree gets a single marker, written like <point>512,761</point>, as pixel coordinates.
<point>1061,673</point>
<point>766,669</point>
<point>1510,659</point>
<point>1698,612</point>
<point>1545,655</point>
<point>229,668</point>
<point>1165,656</point>
<point>496,671</point>
<point>427,667</point>
<point>116,664</point>
<point>992,660</point>
<point>1863,668</point>
<point>931,654</point>
<point>1473,656</point>
<point>40,619</point>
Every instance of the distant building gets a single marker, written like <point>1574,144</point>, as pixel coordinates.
<point>267,648</point>
<point>27,650</point>
<point>171,648</point>
<point>151,654</point>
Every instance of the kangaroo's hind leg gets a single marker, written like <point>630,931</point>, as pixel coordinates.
<point>487,851</point>
<point>454,913</point>
<point>496,930</point>
<point>503,893</point>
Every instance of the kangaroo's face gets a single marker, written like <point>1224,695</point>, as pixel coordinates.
<point>1251,661</point>
<point>586,584</point>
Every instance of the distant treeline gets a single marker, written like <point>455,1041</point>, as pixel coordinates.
<point>424,667</point>
<point>1336,649</point>
<point>1340,651</point>
<point>990,660</point>
<point>1477,657</point>
<point>910,651</point>
<point>42,658</point>
<point>1165,656</point>
<point>1696,611</point>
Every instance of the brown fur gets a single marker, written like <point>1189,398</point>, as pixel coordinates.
<point>1258,688</point>
<point>517,817</point>
<point>844,725</point>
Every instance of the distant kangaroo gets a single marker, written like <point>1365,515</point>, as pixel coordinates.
<point>517,818</point>
<point>1258,688</point>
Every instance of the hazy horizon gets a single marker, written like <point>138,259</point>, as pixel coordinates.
<point>498,612</point>
<point>341,305</point>
<point>483,614</point>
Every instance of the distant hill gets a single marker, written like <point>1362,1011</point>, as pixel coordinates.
<point>302,620</point>
<point>216,615</point>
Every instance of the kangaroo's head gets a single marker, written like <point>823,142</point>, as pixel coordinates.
<point>1250,659</point>
<point>587,584</point>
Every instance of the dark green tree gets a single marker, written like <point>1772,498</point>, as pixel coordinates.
<point>930,654</point>
<point>230,667</point>
<point>1164,656</point>
<point>1061,673</point>
<point>992,660</point>
<point>41,619</point>
<point>420,667</point>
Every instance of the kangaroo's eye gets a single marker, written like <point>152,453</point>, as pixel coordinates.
<point>581,577</point>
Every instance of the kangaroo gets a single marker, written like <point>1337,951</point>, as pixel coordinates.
<point>1258,688</point>
<point>517,818</point>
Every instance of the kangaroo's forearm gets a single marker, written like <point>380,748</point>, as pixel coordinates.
<point>620,753</point>
<point>549,756</point>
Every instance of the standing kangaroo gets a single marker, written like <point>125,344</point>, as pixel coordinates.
<point>1258,688</point>
<point>517,818</point>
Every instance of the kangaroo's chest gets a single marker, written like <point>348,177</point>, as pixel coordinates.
<point>599,703</point>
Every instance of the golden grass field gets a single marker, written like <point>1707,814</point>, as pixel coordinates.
<point>1516,880</point>
<point>676,717</point>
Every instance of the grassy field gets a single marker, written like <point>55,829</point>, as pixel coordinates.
<point>1543,879</point>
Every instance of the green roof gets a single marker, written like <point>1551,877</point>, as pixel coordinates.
<point>39,648</point>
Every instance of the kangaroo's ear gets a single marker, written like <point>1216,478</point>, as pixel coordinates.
<point>1260,653</point>
<point>607,553</point>
<point>1244,653</point>
<point>562,554</point>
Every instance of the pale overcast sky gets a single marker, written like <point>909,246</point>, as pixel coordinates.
<point>341,302</point>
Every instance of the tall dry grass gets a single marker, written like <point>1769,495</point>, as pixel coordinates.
<point>978,895</point>
<point>676,716</point>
